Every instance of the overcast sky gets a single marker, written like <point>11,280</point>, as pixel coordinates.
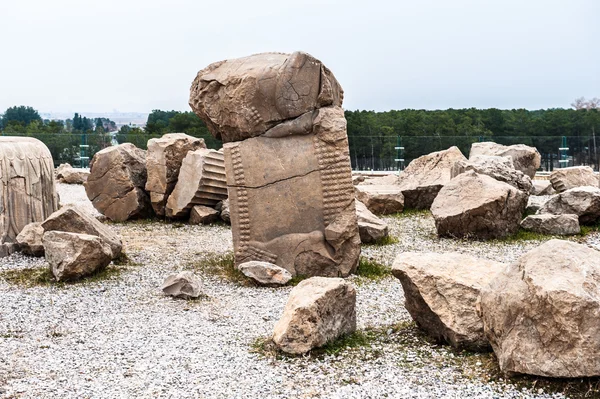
<point>139,55</point>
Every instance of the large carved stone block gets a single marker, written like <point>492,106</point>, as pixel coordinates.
<point>286,160</point>
<point>28,191</point>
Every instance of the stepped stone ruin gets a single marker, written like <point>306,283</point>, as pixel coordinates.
<point>28,192</point>
<point>286,160</point>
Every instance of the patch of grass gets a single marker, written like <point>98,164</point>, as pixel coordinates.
<point>387,240</point>
<point>524,235</point>
<point>124,260</point>
<point>222,266</point>
<point>586,230</point>
<point>407,212</point>
<point>296,280</point>
<point>372,269</point>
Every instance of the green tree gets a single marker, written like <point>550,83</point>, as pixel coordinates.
<point>20,115</point>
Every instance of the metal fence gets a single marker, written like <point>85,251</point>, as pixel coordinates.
<point>377,153</point>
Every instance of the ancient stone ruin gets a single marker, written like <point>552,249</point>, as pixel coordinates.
<point>28,192</point>
<point>286,160</point>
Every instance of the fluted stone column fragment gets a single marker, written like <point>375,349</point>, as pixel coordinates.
<point>286,159</point>
<point>28,190</point>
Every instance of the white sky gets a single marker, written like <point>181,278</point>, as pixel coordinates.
<point>139,55</point>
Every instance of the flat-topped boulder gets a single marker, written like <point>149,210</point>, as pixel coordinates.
<point>380,199</point>
<point>370,227</point>
<point>577,176</point>
<point>500,168</point>
<point>201,214</point>
<point>552,224</point>
<point>116,185</point>
<point>581,201</point>
<point>441,292</point>
<point>540,314</point>
<point>478,206</point>
<point>425,176</point>
<point>67,174</point>
<point>525,158</point>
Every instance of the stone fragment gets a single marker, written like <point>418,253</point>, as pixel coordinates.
<point>425,176</point>
<point>391,179</point>
<point>526,159</point>
<point>116,183</point>
<point>184,285</point>
<point>72,256</point>
<point>318,310</point>
<point>535,203</point>
<point>576,176</point>
<point>74,220</point>
<point>223,208</point>
<point>201,214</point>
<point>581,201</point>
<point>370,227</point>
<point>541,313</point>
<point>67,174</point>
<point>265,273</point>
<point>30,239</point>
<point>287,161</point>
<point>163,161</point>
<point>27,187</point>
<point>478,206</point>
<point>357,179</point>
<point>381,200</point>
<point>500,168</point>
<point>201,182</point>
<point>552,224</point>
<point>441,292</point>
<point>542,187</point>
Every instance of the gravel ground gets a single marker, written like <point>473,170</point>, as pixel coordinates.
<point>121,338</point>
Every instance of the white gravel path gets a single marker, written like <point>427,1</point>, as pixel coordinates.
<point>121,338</point>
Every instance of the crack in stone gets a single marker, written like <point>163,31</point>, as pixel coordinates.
<point>277,181</point>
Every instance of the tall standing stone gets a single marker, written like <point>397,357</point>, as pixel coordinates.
<point>28,190</point>
<point>286,160</point>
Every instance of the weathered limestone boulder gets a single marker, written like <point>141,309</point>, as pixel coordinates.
<point>526,159</point>
<point>576,176</point>
<point>370,227</point>
<point>184,285</point>
<point>27,187</point>
<point>478,206</point>
<point>265,273</point>
<point>552,224</point>
<point>116,183</point>
<point>223,208</point>
<point>30,239</point>
<point>441,292</point>
<point>74,220</point>
<point>425,176</point>
<point>67,174</point>
<point>318,311</point>
<point>163,161</point>
<point>542,187</point>
<point>201,182</point>
<point>500,168</point>
<point>386,180</point>
<point>581,201</point>
<point>381,200</point>
<point>72,256</point>
<point>287,160</point>
<point>201,214</point>
<point>541,313</point>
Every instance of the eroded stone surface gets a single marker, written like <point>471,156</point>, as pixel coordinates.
<point>552,224</point>
<point>581,201</point>
<point>370,227</point>
<point>542,187</point>
<point>184,285</point>
<point>525,158</point>
<point>30,239</point>
<point>500,168</point>
<point>541,313</point>
<point>65,173</point>
<point>567,178</point>
<point>116,185</point>
<point>163,161</point>
<point>265,273</point>
<point>201,214</point>
<point>380,199</point>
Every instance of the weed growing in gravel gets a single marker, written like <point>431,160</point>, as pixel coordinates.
<point>222,266</point>
<point>586,230</point>
<point>412,213</point>
<point>296,280</point>
<point>372,269</point>
<point>524,235</point>
<point>387,240</point>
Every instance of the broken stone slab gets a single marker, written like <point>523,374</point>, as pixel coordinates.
<point>541,313</point>
<point>287,161</point>
<point>265,273</point>
<point>319,310</point>
<point>478,206</point>
<point>72,256</point>
<point>425,176</point>
<point>27,189</point>
<point>163,162</point>
<point>500,168</point>
<point>201,181</point>
<point>536,202</point>
<point>184,285</point>
<point>73,220</point>
<point>576,176</point>
<point>441,292</point>
<point>552,224</point>
<point>67,174</point>
<point>581,201</point>
<point>116,185</point>
<point>370,227</point>
<point>542,187</point>
<point>30,239</point>
<point>525,158</point>
<point>201,214</point>
<point>381,200</point>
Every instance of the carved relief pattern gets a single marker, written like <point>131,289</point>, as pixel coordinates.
<point>242,200</point>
